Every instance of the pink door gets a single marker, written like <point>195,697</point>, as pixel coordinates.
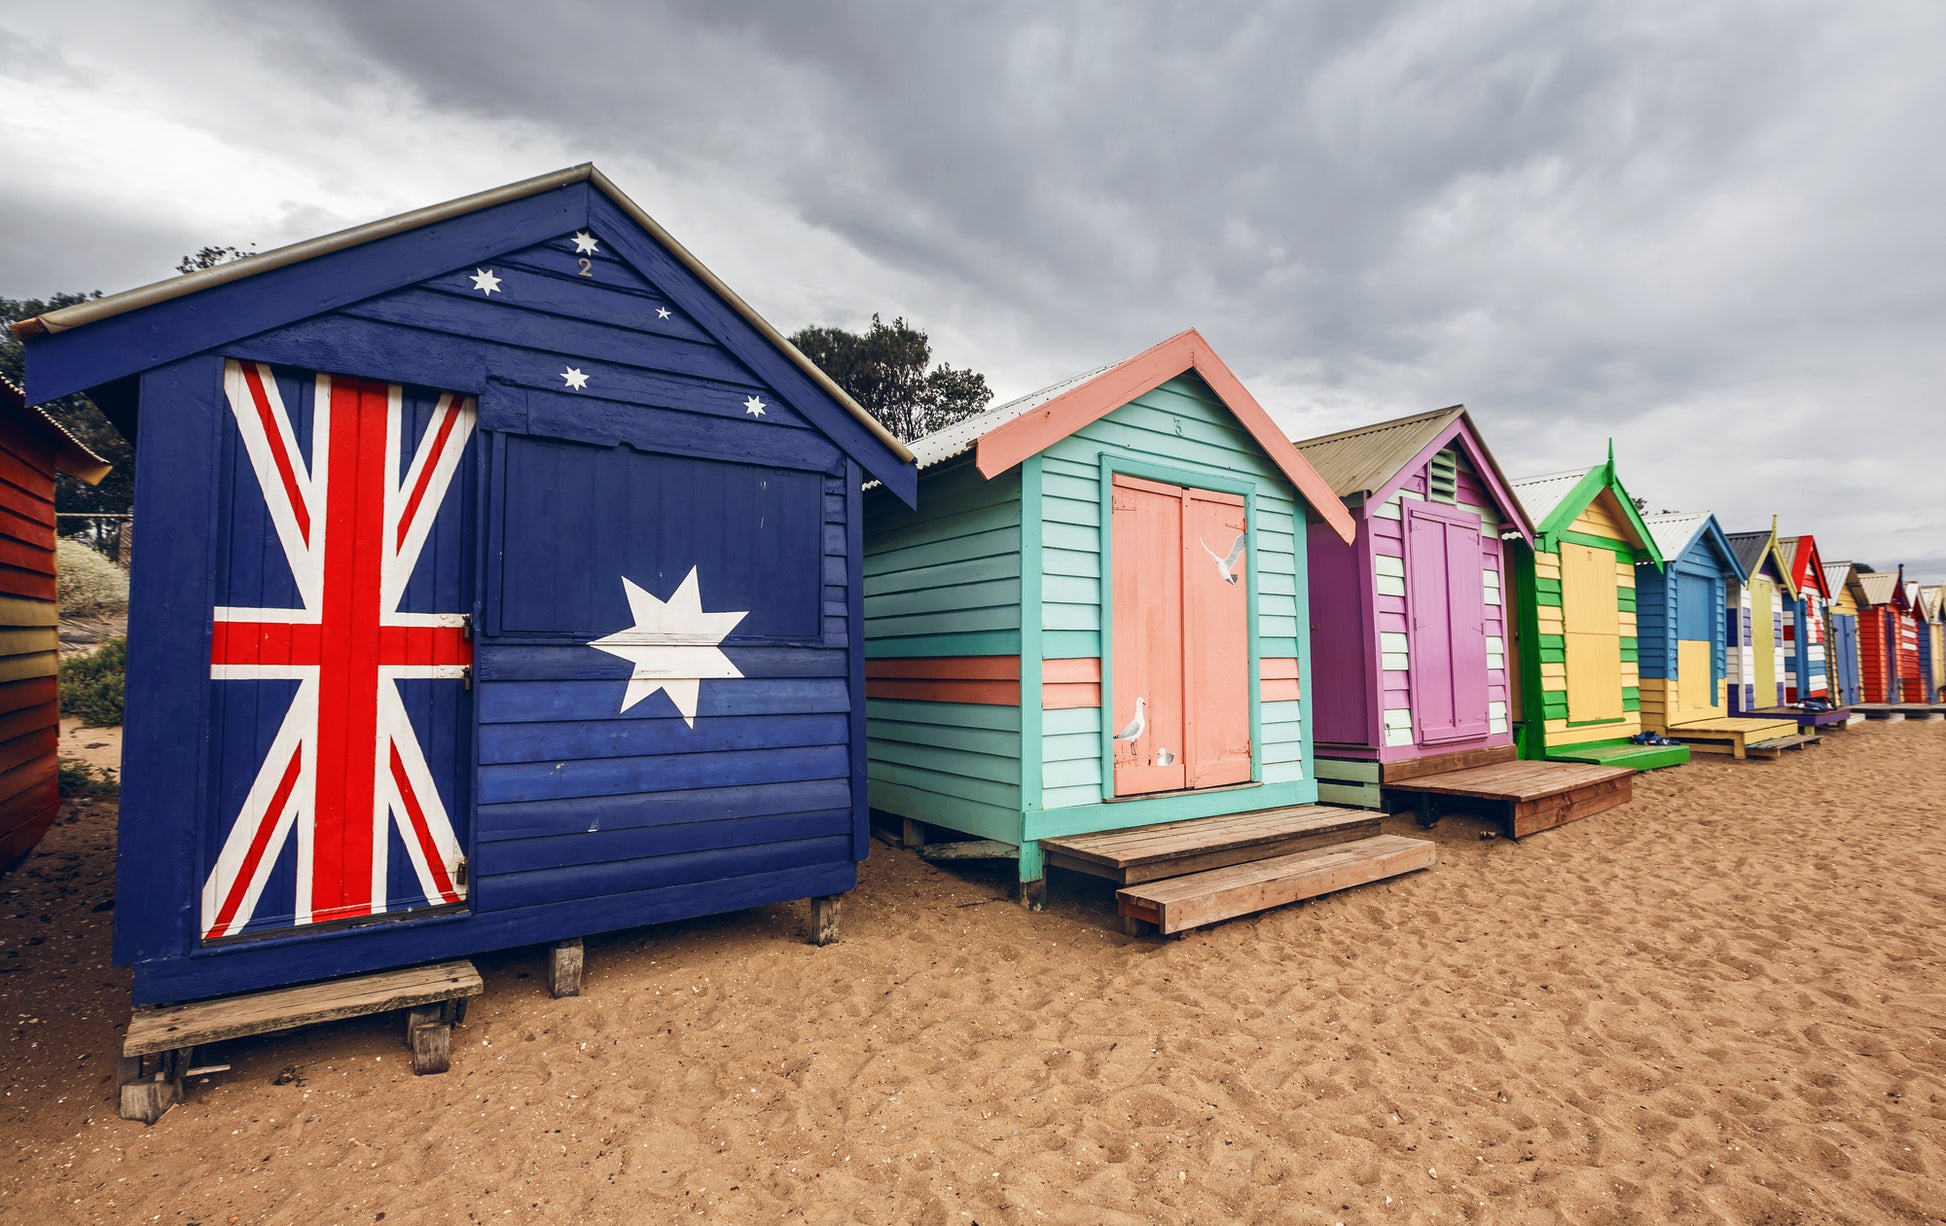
<point>1180,623</point>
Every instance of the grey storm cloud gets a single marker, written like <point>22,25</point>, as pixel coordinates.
<point>1707,231</point>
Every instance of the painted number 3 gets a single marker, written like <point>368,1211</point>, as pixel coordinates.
<point>1178,427</point>
<point>588,270</point>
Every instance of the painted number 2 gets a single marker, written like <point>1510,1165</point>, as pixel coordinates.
<point>587,269</point>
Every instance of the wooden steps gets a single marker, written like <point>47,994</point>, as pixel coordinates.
<point>1175,904</point>
<point>1148,853</point>
<point>1623,753</point>
<point>1527,796</point>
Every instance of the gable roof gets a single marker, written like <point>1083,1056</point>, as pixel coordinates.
<point>1934,597</point>
<point>1677,532</point>
<point>56,370</point>
<point>1364,465</point>
<point>1800,554</point>
<point>1752,548</point>
<point>71,455</point>
<point>1881,586</point>
<point>1913,600</point>
<point>1004,436</point>
<point>1553,500</point>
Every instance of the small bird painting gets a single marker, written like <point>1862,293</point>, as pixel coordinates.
<point>1227,567</point>
<point>1137,725</point>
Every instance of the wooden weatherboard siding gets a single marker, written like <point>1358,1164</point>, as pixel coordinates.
<point>1557,602</point>
<point>698,462</point>
<point>1410,624</point>
<point>29,634</point>
<point>1682,643</point>
<point>992,611</point>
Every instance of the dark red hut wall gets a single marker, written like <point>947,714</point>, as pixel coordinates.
<point>29,640</point>
<point>1874,660</point>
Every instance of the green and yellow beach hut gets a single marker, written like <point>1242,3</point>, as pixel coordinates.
<point>1575,599</point>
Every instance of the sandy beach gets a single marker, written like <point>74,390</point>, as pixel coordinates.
<point>1725,1002</point>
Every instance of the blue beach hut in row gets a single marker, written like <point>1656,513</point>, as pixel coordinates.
<point>500,584</point>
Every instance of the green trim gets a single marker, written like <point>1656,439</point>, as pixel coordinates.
<point>1032,753</point>
<point>1529,732</point>
<point>1596,723</point>
<point>1598,478</point>
<point>1621,549</point>
<point>1630,654</point>
<point>1631,698</point>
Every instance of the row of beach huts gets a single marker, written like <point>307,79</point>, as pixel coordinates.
<point>505,579</point>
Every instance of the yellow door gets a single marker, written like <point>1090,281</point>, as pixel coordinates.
<point>1593,632</point>
<point>1695,680</point>
<point>1763,644</point>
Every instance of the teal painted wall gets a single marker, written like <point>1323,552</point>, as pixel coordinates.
<point>944,580</point>
<point>1181,427</point>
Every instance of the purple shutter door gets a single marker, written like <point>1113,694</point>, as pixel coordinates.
<point>1429,613</point>
<point>1466,619</point>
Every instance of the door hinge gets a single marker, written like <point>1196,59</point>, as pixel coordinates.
<point>466,676</point>
<point>466,626</point>
<point>460,871</point>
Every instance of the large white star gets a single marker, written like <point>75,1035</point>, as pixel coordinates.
<point>753,406</point>
<point>584,243</point>
<point>575,379</point>
<point>673,645</point>
<point>485,281</point>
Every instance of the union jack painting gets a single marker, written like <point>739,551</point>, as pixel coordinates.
<point>340,650</point>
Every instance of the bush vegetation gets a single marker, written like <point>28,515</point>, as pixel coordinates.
<point>91,685</point>
<point>87,584</point>
<point>80,779</point>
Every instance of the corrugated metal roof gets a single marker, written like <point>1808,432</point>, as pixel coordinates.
<point>1935,597</point>
<point>958,438</point>
<point>1787,549</point>
<point>71,455</point>
<point>1672,531</point>
<point>1881,586</point>
<point>1834,575</point>
<point>1749,548</point>
<point>1540,495</point>
<point>1360,461</point>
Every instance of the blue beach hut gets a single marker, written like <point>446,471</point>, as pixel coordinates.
<point>499,585</point>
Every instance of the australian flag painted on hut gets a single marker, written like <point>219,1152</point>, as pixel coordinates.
<point>499,584</point>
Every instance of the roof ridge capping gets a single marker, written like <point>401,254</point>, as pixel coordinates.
<point>71,455</point>
<point>83,313</point>
<point>1024,427</point>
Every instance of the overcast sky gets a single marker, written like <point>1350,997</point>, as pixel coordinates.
<point>1712,231</point>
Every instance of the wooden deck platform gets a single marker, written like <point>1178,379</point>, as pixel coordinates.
<point>160,1041</point>
<point>1622,753</point>
<point>1527,797</point>
<point>1148,853</point>
<point>1836,717</point>
<point>1889,712</point>
<point>1178,903</point>
<point>1921,710</point>
<point>1743,737</point>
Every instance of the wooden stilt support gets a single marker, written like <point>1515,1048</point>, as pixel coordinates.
<point>824,918</point>
<point>150,1086</point>
<point>564,968</point>
<point>430,1036</point>
<point>1033,894</point>
<point>913,834</point>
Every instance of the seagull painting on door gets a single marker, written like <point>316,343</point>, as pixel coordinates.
<point>1180,611</point>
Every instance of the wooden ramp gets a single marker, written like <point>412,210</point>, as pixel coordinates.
<point>1623,753</point>
<point>1527,796</point>
<point>1182,875</point>
<point>1742,737</point>
<point>1175,904</point>
<point>156,1050</point>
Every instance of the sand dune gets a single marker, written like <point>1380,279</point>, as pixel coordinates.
<point>1722,1003</point>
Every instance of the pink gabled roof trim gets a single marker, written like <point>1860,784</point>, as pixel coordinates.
<point>1007,445</point>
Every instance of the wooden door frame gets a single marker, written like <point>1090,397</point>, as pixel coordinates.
<point>1113,466</point>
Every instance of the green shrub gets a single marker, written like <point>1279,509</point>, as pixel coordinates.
<point>87,584</point>
<point>80,779</point>
<point>91,685</point>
